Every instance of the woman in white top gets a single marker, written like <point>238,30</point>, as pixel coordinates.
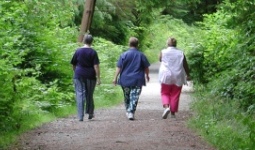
<point>173,73</point>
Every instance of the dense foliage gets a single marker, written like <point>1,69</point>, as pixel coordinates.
<point>35,72</point>
<point>228,52</point>
<point>33,65</point>
<point>38,38</point>
<point>116,20</point>
<point>224,62</point>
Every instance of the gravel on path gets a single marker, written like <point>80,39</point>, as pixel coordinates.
<point>111,130</point>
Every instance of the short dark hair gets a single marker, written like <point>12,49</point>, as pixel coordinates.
<point>133,42</point>
<point>171,42</point>
<point>88,39</point>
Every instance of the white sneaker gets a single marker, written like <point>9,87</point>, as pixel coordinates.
<point>165,113</point>
<point>130,116</point>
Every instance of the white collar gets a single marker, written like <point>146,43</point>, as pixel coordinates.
<point>86,46</point>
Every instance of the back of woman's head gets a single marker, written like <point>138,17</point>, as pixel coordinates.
<point>88,39</point>
<point>133,42</point>
<point>172,42</point>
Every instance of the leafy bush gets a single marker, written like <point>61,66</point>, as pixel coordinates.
<point>161,29</point>
<point>220,59</point>
<point>222,123</point>
<point>225,109</point>
<point>106,94</point>
<point>37,76</point>
<point>34,63</point>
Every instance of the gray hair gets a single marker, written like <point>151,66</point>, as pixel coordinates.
<point>88,39</point>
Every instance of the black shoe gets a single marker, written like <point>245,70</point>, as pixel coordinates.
<point>91,116</point>
<point>80,119</point>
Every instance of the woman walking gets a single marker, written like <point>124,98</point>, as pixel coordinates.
<point>85,63</point>
<point>173,73</point>
<point>132,67</point>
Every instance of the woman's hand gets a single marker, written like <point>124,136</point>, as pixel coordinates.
<point>98,81</point>
<point>188,78</point>
<point>148,78</point>
<point>114,82</point>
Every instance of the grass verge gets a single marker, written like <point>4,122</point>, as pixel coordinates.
<point>222,123</point>
<point>105,96</point>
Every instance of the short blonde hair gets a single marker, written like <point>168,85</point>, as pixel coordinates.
<point>171,42</point>
<point>133,42</point>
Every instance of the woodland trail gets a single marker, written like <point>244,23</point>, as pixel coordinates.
<point>111,130</point>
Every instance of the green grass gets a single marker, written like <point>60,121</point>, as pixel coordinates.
<point>105,96</point>
<point>222,123</point>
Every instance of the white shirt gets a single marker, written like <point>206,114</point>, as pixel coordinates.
<point>171,69</point>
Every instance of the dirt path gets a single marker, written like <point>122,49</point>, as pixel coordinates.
<point>110,129</point>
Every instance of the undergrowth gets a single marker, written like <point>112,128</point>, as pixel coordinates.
<point>105,96</point>
<point>222,123</point>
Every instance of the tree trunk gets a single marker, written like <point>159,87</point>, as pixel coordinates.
<point>86,18</point>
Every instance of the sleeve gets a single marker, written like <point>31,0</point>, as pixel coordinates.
<point>96,60</point>
<point>74,59</point>
<point>145,61</point>
<point>120,62</point>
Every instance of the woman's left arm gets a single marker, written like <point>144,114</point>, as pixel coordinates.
<point>117,72</point>
<point>147,71</point>
<point>97,70</point>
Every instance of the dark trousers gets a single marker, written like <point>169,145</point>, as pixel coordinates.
<point>84,90</point>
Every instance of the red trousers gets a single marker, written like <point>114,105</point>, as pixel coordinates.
<point>170,95</point>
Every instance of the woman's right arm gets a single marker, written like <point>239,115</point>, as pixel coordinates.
<point>117,72</point>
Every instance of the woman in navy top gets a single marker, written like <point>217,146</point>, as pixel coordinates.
<point>85,63</point>
<point>132,67</point>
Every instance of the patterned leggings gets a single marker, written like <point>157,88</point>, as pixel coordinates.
<point>131,96</point>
